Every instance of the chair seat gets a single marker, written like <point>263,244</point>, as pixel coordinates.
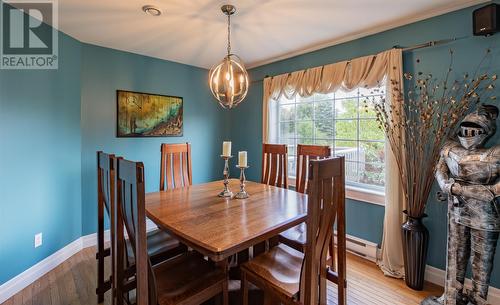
<point>185,276</point>
<point>295,237</point>
<point>280,268</point>
<point>161,246</point>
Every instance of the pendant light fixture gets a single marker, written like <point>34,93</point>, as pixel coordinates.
<point>228,80</point>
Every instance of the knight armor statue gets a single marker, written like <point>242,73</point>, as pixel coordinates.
<point>470,175</point>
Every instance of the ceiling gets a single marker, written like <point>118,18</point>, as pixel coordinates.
<point>194,31</point>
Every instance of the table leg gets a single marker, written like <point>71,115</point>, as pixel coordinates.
<point>244,289</point>
<point>241,257</point>
<point>224,265</point>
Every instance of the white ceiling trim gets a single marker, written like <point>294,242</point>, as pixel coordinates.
<point>375,30</point>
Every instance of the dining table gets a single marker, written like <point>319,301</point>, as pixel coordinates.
<point>219,227</point>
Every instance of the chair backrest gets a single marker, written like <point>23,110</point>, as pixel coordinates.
<point>326,195</point>
<point>131,211</point>
<point>175,166</point>
<point>106,164</point>
<point>274,165</point>
<point>106,199</point>
<point>304,154</point>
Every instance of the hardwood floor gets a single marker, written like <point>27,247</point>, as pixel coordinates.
<point>74,281</point>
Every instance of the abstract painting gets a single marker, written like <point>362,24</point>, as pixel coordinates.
<point>148,115</point>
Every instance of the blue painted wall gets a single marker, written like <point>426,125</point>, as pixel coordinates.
<point>106,70</point>
<point>40,149</point>
<point>54,121</point>
<point>363,219</point>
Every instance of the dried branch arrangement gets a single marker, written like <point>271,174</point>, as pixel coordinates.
<point>418,125</point>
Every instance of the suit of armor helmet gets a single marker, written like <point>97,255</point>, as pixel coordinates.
<point>470,175</point>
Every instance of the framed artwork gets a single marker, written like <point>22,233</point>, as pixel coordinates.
<point>148,115</point>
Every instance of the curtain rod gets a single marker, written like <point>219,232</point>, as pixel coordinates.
<point>428,44</point>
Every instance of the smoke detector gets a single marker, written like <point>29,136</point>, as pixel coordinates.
<point>152,10</point>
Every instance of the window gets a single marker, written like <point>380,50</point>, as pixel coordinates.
<point>345,121</point>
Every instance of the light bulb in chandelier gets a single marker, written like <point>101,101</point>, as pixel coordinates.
<point>228,80</point>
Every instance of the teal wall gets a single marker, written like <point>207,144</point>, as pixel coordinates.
<point>106,70</point>
<point>363,219</point>
<point>53,122</point>
<point>40,149</point>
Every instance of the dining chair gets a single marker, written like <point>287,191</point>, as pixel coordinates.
<point>274,165</point>
<point>106,164</point>
<point>187,279</point>
<point>161,245</point>
<point>275,173</point>
<point>296,236</point>
<point>290,277</point>
<point>175,166</point>
<point>305,153</point>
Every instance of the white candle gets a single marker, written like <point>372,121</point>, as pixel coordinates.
<point>242,159</point>
<point>226,148</point>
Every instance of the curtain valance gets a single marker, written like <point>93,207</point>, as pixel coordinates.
<point>368,72</point>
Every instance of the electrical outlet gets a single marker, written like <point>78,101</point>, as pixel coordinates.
<point>38,240</point>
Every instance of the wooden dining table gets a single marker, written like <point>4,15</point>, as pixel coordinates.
<point>221,227</point>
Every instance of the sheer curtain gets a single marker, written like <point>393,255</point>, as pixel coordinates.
<point>366,72</point>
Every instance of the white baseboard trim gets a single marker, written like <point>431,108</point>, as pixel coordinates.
<point>27,277</point>
<point>21,281</point>
<point>355,245</point>
<point>437,276</point>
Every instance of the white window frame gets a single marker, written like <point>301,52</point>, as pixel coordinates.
<point>353,191</point>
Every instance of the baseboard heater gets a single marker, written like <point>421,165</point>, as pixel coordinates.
<point>360,247</point>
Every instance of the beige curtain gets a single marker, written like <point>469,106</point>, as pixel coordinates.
<point>369,72</point>
<point>390,260</point>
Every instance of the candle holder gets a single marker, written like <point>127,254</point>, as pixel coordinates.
<point>242,194</point>
<point>226,192</point>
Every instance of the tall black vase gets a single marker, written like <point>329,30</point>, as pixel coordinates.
<point>415,245</point>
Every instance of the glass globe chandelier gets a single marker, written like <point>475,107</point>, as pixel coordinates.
<point>228,80</point>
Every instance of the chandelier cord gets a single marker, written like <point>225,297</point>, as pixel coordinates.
<point>228,34</point>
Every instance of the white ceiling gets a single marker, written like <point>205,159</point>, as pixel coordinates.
<point>194,31</point>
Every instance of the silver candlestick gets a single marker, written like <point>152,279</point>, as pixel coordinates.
<point>226,192</point>
<point>242,194</point>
